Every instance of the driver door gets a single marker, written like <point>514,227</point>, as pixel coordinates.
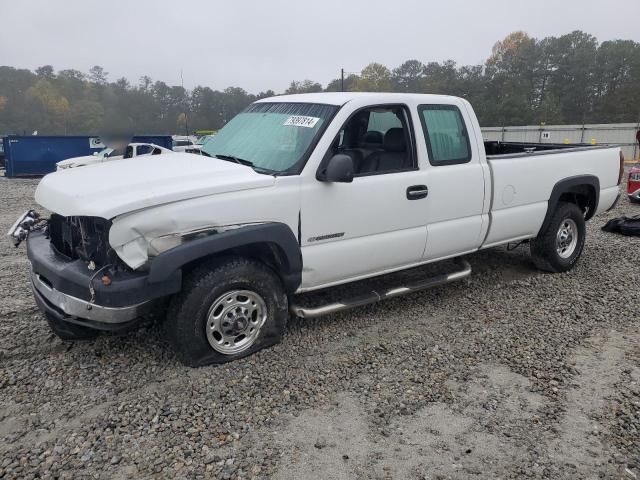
<point>374,224</point>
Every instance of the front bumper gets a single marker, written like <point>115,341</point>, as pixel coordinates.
<point>62,305</point>
<point>61,288</point>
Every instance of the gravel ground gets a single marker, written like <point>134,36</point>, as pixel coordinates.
<point>510,374</point>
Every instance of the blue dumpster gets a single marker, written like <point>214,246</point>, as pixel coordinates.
<point>38,154</point>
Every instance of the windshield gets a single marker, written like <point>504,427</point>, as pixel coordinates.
<point>272,136</point>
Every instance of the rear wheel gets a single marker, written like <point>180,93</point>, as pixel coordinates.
<point>559,246</point>
<point>229,308</point>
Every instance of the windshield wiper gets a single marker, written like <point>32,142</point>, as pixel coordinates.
<point>238,160</point>
<point>242,161</point>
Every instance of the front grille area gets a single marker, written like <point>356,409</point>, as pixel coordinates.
<point>85,238</point>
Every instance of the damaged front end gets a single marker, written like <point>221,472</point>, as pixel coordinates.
<point>84,238</point>
<point>77,277</point>
<point>19,231</point>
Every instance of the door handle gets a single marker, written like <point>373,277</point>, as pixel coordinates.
<point>416,192</point>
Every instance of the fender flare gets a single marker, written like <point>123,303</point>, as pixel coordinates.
<point>276,234</point>
<point>565,186</point>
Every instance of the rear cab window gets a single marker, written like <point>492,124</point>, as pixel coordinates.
<point>446,134</point>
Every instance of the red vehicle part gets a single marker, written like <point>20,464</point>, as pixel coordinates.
<point>633,188</point>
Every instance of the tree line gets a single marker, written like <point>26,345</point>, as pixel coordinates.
<point>554,80</point>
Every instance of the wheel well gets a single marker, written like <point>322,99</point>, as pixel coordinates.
<point>268,253</point>
<point>582,195</point>
<point>582,190</point>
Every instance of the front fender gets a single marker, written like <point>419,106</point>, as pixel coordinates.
<point>276,234</point>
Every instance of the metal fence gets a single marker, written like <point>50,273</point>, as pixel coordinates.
<point>620,134</point>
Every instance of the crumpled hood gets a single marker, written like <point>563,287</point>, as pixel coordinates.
<point>112,188</point>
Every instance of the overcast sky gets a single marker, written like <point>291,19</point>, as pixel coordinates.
<point>263,44</point>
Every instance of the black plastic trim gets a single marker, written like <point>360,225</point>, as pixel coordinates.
<point>566,186</point>
<point>72,277</point>
<point>417,192</point>
<point>276,234</point>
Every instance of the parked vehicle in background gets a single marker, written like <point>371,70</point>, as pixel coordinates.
<point>98,157</point>
<point>348,185</point>
<point>195,149</point>
<point>182,143</point>
<point>109,154</point>
<point>164,141</point>
<point>633,185</point>
<point>204,139</point>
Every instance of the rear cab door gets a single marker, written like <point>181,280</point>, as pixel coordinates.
<point>452,155</point>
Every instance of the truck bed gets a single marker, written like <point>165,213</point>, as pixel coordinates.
<point>524,175</point>
<point>498,148</point>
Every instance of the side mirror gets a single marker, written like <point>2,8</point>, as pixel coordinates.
<point>339,169</point>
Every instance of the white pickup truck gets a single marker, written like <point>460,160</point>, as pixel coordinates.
<point>299,193</point>
<point>109,154</point>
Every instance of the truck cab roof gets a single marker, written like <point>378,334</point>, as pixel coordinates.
<point>341,98</point>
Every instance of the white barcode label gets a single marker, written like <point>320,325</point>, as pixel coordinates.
<point>301,121</point>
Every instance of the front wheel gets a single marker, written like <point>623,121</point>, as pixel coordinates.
<point>559,246</point>
<point>229,308</point>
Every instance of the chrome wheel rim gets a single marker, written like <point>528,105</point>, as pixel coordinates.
<point>567,238</point>
<point>234,321</point>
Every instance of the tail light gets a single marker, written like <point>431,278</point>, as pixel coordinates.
<point>621,168</point>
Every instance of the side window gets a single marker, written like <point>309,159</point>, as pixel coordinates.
<point>143,149</point>
<point>128,153</point>
<point>378,139</point>
<point>446,134</point>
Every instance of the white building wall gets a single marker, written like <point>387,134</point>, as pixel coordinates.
<point>622,134</point>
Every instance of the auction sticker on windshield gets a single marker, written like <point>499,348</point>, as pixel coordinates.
<point>301,121</point>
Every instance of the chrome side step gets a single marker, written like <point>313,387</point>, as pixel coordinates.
<point>375,296</point>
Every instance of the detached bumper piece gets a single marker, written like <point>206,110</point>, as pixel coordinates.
<point>62,289</point>
<point>19,231</point>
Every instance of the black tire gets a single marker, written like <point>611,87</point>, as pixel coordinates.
<point>70,331</point>
<point>186,325</point>
<point>544,248</point>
